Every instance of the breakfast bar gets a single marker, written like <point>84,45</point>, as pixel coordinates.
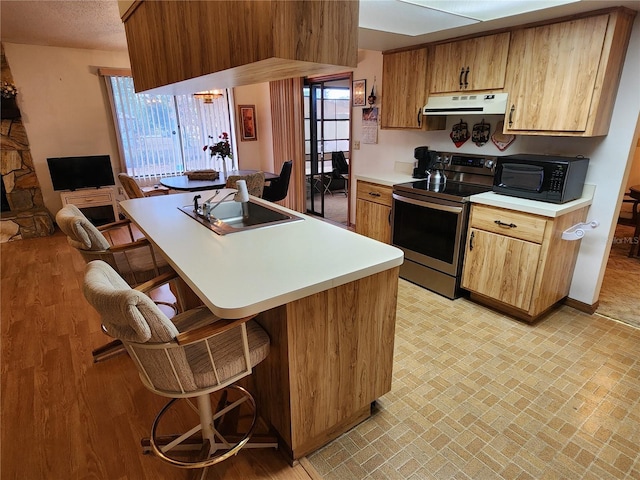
<point>326,296</point>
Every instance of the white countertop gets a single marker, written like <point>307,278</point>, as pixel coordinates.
<point>535,207</point>
<point>387,179</point>
<point>247,272</point>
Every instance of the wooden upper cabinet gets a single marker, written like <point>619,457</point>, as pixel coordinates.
<point>404,91</point>
<point>185,47</point>
<point>562,78</point>
<point>470,65</point>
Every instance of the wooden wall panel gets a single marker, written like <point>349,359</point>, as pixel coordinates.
<point>331,356</point>
<point>189,45</point>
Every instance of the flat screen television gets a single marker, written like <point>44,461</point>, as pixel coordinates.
<point>71,173</point>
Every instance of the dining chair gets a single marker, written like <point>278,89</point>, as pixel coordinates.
<point>255,182</point>
<point>135,260</point>
<point>133,190</point>
<point>278,188</point>
<point>340,172</point>
<point>194,355</point>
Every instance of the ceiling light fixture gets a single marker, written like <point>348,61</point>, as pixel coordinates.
<point>209,96</point>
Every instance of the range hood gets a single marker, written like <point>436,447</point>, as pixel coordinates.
<point>469,104</point>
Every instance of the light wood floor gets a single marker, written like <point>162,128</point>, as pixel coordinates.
<point>62,416</point>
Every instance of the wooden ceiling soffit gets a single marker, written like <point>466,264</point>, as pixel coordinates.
<point>184,47</point>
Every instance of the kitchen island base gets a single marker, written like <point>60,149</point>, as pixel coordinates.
<point>331,357</point>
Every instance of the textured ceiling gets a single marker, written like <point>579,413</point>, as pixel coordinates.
<point>76,24</point>
<point>96,24</point>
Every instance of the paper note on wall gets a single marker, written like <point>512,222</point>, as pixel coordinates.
<point>370,125</point>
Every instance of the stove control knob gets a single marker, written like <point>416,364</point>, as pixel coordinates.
<point>489,163</point>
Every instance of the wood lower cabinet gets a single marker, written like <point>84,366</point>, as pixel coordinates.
<point>469,65</point>
<point>373,211</point>
<point>518,262</point>
<point>404,91</point>
<point>562,78</point>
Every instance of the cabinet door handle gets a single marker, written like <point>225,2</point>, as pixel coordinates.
<point>374,194</point>
<point>460,80</point>
<point>473,234</point>
<point>389,218</point>
<point>419,116</point>
<point>506,225</point>
<point>513,109</point>
<point>466,76</point>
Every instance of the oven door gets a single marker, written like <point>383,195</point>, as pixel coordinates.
<point>430,231</point>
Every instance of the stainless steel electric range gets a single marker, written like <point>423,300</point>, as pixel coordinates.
<point>429,222</point>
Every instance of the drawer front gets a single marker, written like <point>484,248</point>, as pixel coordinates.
<point>373,192</point>
<point>88,200</point>
<point>508,222</point>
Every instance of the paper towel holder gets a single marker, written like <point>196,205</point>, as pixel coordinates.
<point>577,231</point>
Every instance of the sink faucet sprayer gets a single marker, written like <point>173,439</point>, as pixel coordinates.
<point>241,195</point>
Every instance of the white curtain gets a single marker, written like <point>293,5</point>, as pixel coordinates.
<point>165,135</point>
<point>287,117</point>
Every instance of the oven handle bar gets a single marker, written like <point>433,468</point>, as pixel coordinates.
<point>422,203</point>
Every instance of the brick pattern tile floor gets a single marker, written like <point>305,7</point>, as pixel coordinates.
<point>478,395</point>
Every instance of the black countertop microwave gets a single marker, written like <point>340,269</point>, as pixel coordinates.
<point>541,177</point>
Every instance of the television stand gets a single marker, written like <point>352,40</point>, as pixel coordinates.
<point>99,205</point>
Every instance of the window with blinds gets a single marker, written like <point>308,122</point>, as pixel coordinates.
<point>164,135</point>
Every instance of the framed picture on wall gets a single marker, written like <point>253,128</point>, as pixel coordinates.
<point>248,128</point>
<point>359,89</point>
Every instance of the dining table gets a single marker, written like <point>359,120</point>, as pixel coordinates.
<point>185,184</point>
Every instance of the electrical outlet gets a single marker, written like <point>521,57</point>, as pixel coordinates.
<point>356,144</point>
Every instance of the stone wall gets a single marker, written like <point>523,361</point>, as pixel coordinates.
<point>27,216</point>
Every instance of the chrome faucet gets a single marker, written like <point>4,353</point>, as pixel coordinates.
<point>241,196</point>
<point>207,208</point>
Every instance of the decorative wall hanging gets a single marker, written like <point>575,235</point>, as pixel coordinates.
<point>359,92</point>
<point>371,99</point>
<point>502,140</point>
<point>248,129</point>
<point>459,133</point>
<point>480,133</point>
<point>370,125</point>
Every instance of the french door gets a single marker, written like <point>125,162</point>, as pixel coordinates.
<point>327,112</point>
<point>314,163</point>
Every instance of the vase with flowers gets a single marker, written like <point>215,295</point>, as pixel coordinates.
<point>8,102</point>
<point>220,149</point>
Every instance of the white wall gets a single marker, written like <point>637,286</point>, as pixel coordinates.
<point>258,154</point>
<point>609,167</point>
<point>64,105</point>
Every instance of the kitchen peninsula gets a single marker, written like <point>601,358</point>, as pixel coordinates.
<point>326,296</point>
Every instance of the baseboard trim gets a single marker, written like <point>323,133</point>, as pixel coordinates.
<point>583,307</point>
<point>310,469</point>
